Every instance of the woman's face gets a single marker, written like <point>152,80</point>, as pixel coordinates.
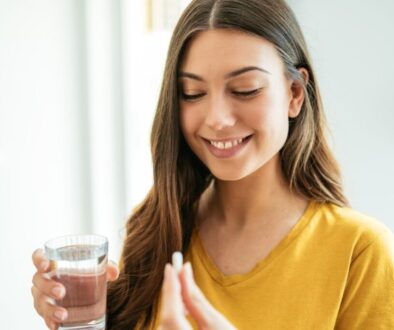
<point>235,101</point>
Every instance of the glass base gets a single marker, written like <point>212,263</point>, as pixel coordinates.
<point>92,325</point>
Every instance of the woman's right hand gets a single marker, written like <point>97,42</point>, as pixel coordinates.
<point>45,290</point>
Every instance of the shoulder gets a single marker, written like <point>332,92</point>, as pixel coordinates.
<point>369,264</point>
<point>363,230</point>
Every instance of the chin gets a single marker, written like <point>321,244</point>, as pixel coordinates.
<point>230,175</point>
<point>236,173</point>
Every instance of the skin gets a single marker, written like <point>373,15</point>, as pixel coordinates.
<point>249,204</point>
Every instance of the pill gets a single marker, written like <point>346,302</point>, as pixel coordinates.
<point>177,260</point>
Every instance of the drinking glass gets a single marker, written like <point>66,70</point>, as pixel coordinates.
<point>79,263</point>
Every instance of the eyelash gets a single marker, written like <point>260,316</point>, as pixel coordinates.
<point>241,94</point>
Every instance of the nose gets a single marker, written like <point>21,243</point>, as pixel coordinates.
<point>219,113</point>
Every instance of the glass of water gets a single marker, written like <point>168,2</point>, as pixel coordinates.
<point>79,263</point>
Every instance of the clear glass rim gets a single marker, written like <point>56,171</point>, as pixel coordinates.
<point>61,241</point>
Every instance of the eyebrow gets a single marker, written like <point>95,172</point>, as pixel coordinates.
<point>227,76</point>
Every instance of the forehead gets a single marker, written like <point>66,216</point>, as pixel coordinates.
<point>222,50</point>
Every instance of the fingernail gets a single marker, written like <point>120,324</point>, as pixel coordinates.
<point>60,315</point>
<point>58,291</point>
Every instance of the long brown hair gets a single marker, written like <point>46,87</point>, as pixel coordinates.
<point>164,221</point>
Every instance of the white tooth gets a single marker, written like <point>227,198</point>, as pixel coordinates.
<point>226,144</point>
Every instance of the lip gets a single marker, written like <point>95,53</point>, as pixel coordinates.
<point>227,153</point>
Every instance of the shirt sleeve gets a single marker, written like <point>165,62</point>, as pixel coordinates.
<point>368,300</point>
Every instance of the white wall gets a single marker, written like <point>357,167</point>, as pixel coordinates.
<point>352,46</point>
<point>61,166</point>
<point>41,154</point>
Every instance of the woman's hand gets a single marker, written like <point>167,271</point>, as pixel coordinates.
<point>181,295</point>
<point>45,291</point>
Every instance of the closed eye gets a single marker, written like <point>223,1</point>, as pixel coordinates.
<point>191,97</point>
<point>248,93</point>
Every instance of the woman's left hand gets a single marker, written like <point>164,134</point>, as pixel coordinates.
<point>181,295</point>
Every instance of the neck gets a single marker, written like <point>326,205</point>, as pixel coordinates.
<point>262,198</point>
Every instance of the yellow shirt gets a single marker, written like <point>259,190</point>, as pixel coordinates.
<point>334,270</point>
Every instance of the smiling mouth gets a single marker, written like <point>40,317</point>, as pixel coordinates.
<point>227,148</point>
<point>228,143</point>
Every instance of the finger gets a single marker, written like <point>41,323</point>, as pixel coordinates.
<point>48,287</point>
<point>112,271</point>
<point>40,261</point>
<point>172,316</point>
<point>199,307</point>
<point>86,313</point>
<point>36,298</point>
<point>47,309</point>
<point>59,314</point>
<point>172,301</point>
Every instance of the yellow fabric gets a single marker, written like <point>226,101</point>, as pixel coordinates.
<point>334,270</point>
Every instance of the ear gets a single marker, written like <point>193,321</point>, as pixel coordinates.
<point>297,94</point>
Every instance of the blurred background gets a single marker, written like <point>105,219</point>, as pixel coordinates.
<point>79,82</point>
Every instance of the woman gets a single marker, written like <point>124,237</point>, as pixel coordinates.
<point>246,186</point>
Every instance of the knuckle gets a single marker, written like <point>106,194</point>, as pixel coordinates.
<point>42,283</point>
<point>37,282</point>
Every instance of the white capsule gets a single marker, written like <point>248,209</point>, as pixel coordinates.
<point>177,260</point>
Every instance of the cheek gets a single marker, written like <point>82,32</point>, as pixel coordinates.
<point>268,117</point>
<point>190,122</point>
<point>262,114</point>
<point>184,121</point>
